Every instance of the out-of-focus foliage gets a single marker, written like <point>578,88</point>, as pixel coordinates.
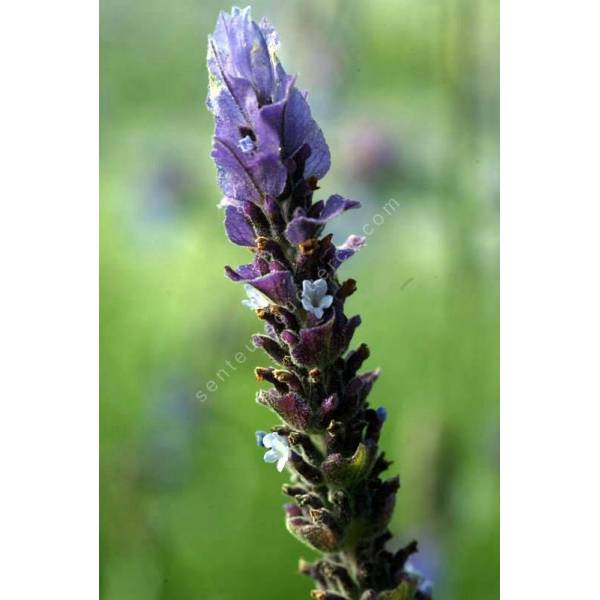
<point>406,92</point>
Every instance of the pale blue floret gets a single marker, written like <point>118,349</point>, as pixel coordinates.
<point>246,144</point>
<point>279,450</point>
<point>255,298</point>
<point>315,298</point>
<point>260,436</point>
<point>424,585</point>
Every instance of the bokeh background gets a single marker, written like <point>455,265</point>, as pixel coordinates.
<point>406,92</point>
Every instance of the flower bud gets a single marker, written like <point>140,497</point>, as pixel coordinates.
<point>309,451</point>
<point>328,407</point>
<point>271,248</point>
<point>289,337</point>
<point>265,314</point>
<point>355,359</point>
<point>339,577</point>
<point>381,465</point>
<point>271,347</point>
<point>266,374</point>
<point>285,317</point>
<point>343,506</point>
<point>292,510</point>
<point>383,503</point>
<point>309,473</point>
<point>346,289</point>
<point>312,570</point>
<point>334,437</point>
<point>318,537</point>
<point>348,471</point>
<point>289,379</point>
<point>257,218</point>
<point>290,406</point>
<point>293,490</point>
<point>309,500</point>
<point>403,555</point>
<point>321,516</point>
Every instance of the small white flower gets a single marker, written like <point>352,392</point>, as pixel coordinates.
<point>315,298</point>
<point>255,298</point>
<point>278,452</point>
<point>246,144</point>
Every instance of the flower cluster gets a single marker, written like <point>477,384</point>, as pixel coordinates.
<point>270,155</point>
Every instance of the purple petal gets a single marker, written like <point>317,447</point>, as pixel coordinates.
<point>233,177</point>
<point>247,49</point>
<point>313,348</point>
<point>304,227</point>
<point>278,286</point>
<point>336,205</point>
<point>261,66</point>
<point>230,98</point>
<point>320,346</point>
<point>241,49</point>
<point>275,265</point>
<point>281,80</point>
<point>319,161</point>
<point>238,228</point>
<point>248,176</point>
<point>297,123</point>
<point>250,271</point>
<point>349,248</point>
<point>298,129</point>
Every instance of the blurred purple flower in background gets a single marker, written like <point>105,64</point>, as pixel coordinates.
<point>173,421</point>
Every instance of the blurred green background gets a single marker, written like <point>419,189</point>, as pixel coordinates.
<point>406,92</point>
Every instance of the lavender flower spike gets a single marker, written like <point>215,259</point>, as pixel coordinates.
<point>270,155</point>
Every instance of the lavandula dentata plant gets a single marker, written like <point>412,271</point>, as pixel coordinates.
<point>270,155</point>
